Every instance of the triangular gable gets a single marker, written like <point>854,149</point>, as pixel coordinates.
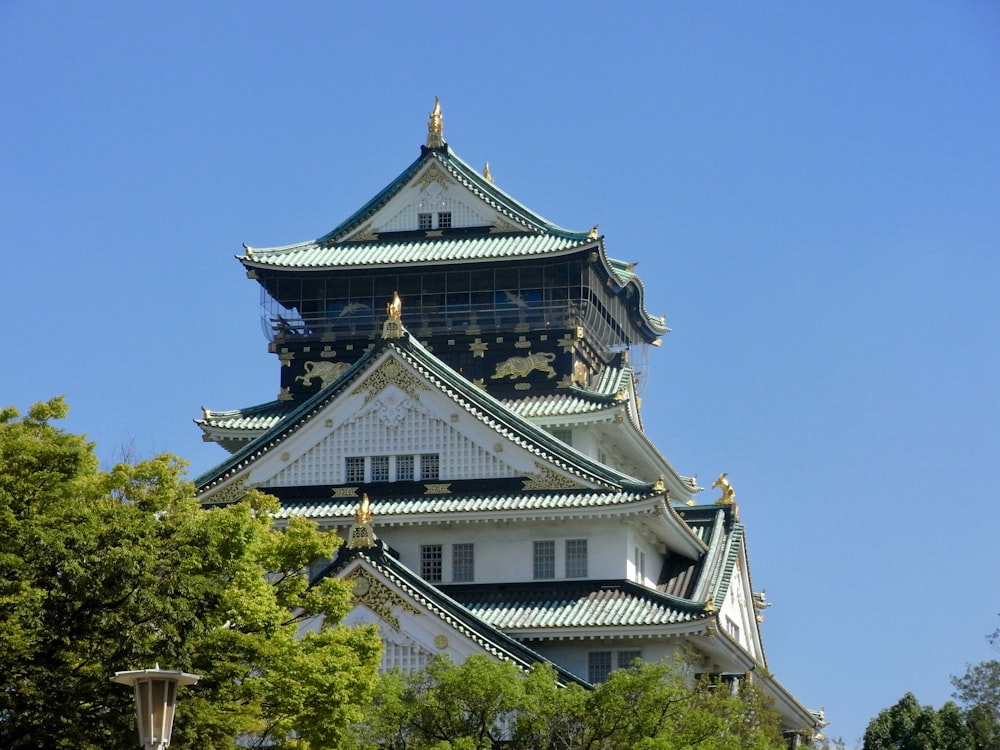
<point>416,621</point>
<point>397,398</point>
<point>433,192</point>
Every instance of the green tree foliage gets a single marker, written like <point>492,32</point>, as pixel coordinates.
<point>910,726</point>
<point>979,686</point>
<point>485,704</point>
<point>106,571</point>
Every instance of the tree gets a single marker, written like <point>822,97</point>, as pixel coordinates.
<point>113,570</point>
<point>910,726</point>
<point>484,704</point>
<point>979,686</point>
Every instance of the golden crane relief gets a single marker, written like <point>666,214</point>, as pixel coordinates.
<point>728,494</point>
<point>435,127</point>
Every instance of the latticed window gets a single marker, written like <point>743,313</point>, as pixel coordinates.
<point>429,465</point>
<point>404,468</point>
<point>380,468</point>
<point>545,560</point>
<point>354,469</point>
<point>462,562</point>
<point>565,435</point>
<point>625,658</point>
<point>576,558</point>
<point>430,562</point>
<point>423,221</point>
<point>598,666</point>
<point>640,565</point>
<point>444,220</point>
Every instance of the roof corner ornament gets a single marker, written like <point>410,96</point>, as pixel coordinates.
<point>435,128</point>
<point>710,607</point>
<point>592,234</point>
<point>361,534</point>
<point>487,174</point>
<point>248,249</point>
<point>393,326</point>
<point>728,494</point>
<point>660,485</point>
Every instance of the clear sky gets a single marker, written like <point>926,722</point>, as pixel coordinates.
<point>810,191</point>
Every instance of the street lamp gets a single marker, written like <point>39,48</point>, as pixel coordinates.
<point>155,695</point>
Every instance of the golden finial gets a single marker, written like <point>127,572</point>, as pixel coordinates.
<point>393,326</point>
<point>592,234</point>
<point>395,308</point>
<point>435,129</point>
<point>361,534</point>
<point>486,173</point>
<point>364,512</point>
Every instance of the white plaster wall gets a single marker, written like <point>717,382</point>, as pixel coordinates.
<point>504,552</point>
<point>572,655</point>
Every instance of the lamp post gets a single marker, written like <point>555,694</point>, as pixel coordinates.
<point>155,696</point>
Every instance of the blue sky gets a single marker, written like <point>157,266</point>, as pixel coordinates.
<point>810,191</point>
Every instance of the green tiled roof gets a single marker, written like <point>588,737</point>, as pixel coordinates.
<point>612,604</point>
<point>487,637</point>
<point>318,255</point>
<point>259,417</point>
<point>386,508</point>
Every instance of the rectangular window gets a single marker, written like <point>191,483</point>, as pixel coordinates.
<point>429,466</point>
<point>424,221</point>
<point>598,666</point>
<point>380,468</point>
<point>444,220</point>
<point>354,469</point>
<point>565,435</point>
<point>576,558</point>
<point>625,658</point>
<point>462,562</point>
<point>545,560</point>
<point>430,562</point>
<point>404,468</point>
<point>640,565</point>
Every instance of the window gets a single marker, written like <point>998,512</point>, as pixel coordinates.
<point>545,560</point>
<point>733,628</point>
<point>576,558</point>
<point>598,666</point>
<point>444,220</point>
<point>354,470</point>
<point>640,565</point>
<point>462,562</point>
<point>625,658</point>
<point>600,663</point>
<point>424,221</point>
<point>430,562</point>
<point>429,463</point>
<point>380,468</point>
<point>404,468</point>
<point>565,435</point>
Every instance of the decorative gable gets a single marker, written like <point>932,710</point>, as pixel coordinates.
<point>432,201</point>
<point>390,423</point>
